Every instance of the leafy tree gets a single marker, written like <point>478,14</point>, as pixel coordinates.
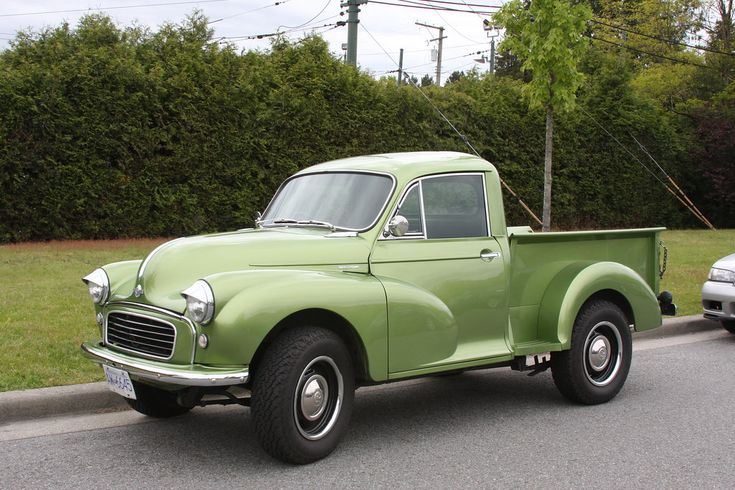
<point>455,76</point>
<point>426,80</point>
<point>649,26</point>
<point>547,36</point>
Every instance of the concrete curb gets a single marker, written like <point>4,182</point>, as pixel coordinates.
<point>22,405</point>
<point>58,400</point>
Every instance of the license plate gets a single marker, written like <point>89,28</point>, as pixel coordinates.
<point>119,381</point>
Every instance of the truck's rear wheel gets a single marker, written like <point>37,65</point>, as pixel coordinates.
<point>303,389</point>
<point>595,368</point>
<point>155,402</point>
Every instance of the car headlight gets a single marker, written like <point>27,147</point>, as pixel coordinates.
<point>199,301</point>
<point>98,284</point>
<point>721,275</point>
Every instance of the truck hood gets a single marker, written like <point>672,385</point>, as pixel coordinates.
<point>175,265</point>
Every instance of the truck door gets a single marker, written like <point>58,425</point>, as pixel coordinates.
<point>444,277</point>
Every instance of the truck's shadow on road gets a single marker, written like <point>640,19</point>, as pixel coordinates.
<point>427,410</point>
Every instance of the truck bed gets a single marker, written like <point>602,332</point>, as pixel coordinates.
<point>537,258</point>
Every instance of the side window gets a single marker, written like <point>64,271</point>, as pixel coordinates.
<point>410,209</point>
<point>454,206</point>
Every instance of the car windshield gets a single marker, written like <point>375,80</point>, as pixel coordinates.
<point>338,200</point>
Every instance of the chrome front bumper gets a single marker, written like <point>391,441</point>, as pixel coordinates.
<point>196,375</point>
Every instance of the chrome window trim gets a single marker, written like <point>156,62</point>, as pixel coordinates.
<point>162,311</point>
<point>424,236</point>
<point>345,171</point>
<point>407,236</point>
<point>138,353</point>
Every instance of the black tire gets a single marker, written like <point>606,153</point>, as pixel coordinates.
<point>155,402</point>
<point>728,325</point>
<point>595,368</point>
<point>302,395</point>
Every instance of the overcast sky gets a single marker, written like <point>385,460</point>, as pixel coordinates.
<point>393,27</point>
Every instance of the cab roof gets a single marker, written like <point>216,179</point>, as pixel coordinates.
<point>407,166</point>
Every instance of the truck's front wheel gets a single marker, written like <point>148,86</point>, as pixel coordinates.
<point>595,368</point>
<point>303,390</point>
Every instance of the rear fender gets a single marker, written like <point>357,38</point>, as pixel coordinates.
<point>577,283</point>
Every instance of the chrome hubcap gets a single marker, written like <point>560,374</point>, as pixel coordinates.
<point>318,398</point>
<point>603,353</point>
<point>314,396</point>
<point>599,353</point>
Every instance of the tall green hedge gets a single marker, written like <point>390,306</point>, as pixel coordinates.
<point>108,132</point>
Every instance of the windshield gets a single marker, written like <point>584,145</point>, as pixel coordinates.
<point>348,201</point>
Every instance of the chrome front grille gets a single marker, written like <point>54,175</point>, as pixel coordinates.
<point>142,334</point>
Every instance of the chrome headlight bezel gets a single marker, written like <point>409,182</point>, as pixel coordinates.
<point>721,275</point>
<point>199,302</point>
<point>98,285</point>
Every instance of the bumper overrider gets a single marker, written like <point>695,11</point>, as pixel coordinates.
<point>176,374</point>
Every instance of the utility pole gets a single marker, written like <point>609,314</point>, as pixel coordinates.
<point>492,56</point>
<point>441,38</point>
<point>400,67</point>
<point>492,33</point>
<point>352,21</point>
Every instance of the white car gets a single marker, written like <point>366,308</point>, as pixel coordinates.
<point>718,293</point>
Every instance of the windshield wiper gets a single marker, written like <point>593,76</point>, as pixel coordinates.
<point>309,222</point>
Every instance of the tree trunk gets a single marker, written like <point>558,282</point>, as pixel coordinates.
<point>547,169</point>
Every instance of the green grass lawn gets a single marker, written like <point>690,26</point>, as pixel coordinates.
<point>691,254</point>
<point>45,312</point>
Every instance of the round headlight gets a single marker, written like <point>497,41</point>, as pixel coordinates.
<point>98,284</point>
<point>199,301</point>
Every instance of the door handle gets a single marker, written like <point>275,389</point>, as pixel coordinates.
<point>487,255</point>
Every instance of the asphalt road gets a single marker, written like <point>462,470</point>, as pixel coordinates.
<point>670,427</point>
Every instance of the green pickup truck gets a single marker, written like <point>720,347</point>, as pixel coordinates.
<point>362,271</point>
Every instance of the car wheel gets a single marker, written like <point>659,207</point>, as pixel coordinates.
<point>155,402</point>
<point>728,325</point>
<point>595,368</point>
<point>302,395</point>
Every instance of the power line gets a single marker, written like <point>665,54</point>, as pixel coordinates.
<point>447,48</point>
<point>426,7</point>
<point>468,5</point>
<point>448,59</point>
<point>676,60</point>
<point>462,136</point>
<point>279,33</point>
<point>120,7</point>
<point>308,21</point>
<point>667,41</point>
<point>454,28</point>
<point>460,3</point>
<point>249,11</point>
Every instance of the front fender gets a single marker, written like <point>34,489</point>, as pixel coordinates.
<point>576,283</point>
<point>122,277</point>
<point>248,304</point>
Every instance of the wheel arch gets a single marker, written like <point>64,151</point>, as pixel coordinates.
<point>616,298</point>
<point>319,317</point>
<point>580,282</point>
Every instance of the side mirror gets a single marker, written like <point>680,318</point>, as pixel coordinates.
<point>397,226</point>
